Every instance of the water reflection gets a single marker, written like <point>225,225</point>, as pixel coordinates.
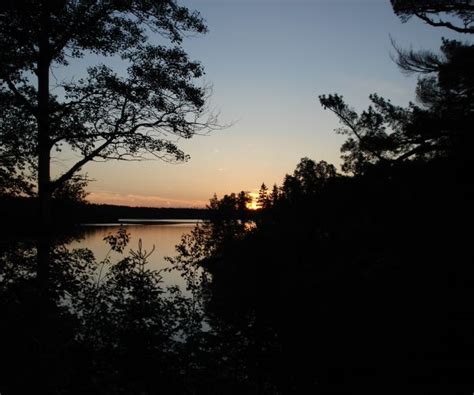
<point>128,330</point>
<point>164,235</point>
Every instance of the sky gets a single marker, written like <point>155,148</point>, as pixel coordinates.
<point>267,61</point>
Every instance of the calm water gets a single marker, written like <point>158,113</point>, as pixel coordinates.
<point>164,235</point>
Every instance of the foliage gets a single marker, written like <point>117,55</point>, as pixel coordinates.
<point>337,282</point>
<point>438,13</point>
<point>17,160</point>
<point>263,200</point>
<point>104,115</point>
<point>375,136</point>
<point>439,127</point>
<point>229,206</point>
<point>274,195</point>
<point>308,179</point>
<point>356,279</point>
<point>116,326</point>
<point>72,190</point>
<point>313,176</point>
<point>228,221</point>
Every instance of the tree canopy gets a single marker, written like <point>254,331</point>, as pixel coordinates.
<point>438,125</point>
<point>108,113</point>
<point>438,13</point>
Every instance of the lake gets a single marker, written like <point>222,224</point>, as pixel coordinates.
<point>163,234</point>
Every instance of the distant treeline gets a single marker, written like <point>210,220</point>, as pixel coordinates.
<point>16,211</point>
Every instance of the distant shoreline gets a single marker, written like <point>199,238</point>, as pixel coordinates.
<point>133,221</point>
<point>20,214</point>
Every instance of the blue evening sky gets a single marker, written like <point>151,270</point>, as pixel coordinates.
<point>268,60</point>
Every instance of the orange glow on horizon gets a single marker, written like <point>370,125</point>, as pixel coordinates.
<point>253,204</point>
<point>132,200</point>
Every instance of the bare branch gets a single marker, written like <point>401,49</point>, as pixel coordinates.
<point>441,23</point>
<point>76,167</point>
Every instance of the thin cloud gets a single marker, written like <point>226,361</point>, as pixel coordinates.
<point>105,197</point>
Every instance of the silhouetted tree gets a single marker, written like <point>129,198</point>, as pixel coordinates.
<point>263,199</point>
<point>72,190</point>
<point>313,176</point>
<point>228,222</point>
<point>376,135</point>
<point>112,325</point>
<point>308,179</point>
<point>104,115</point>
<point>438,126</point>
<point>355,243</point>
<point>15,177</point>
<point>274,195</point>
<point>243,200</point>
<point>230,205</point>
<point>438,13</point>
<point>17,158</point>
<point>291,188</point>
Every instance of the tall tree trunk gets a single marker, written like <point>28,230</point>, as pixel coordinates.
<point>44,147</point>
<point>44,241</point>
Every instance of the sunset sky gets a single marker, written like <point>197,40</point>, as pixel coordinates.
<point>268,60</point>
